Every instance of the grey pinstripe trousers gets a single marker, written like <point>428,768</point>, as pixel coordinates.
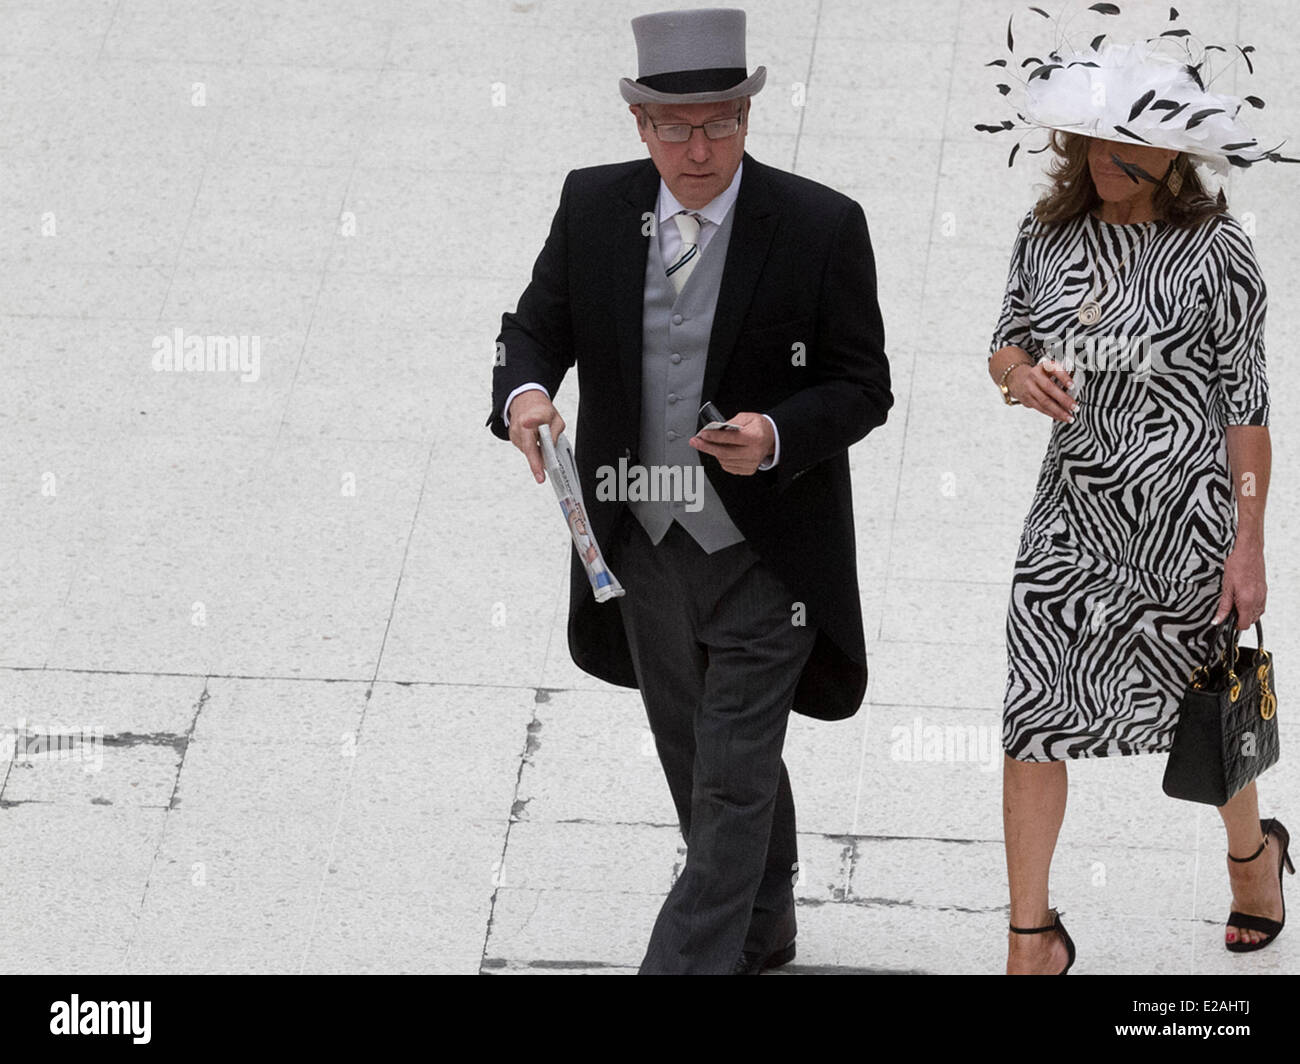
<point>717,659</point>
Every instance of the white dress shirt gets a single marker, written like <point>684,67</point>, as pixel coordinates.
<point>712,215</point>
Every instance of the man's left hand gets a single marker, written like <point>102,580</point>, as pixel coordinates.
<point>739,452</point>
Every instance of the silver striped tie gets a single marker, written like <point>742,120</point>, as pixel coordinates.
<point>688,225</point>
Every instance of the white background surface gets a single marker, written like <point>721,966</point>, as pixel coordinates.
<point>376,755</point>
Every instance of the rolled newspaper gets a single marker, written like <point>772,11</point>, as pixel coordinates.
<point>563,471</point>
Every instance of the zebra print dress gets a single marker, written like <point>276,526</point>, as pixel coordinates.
<point>1121,556</point>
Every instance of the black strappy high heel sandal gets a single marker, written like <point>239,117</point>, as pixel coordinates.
<point>1272,928</point>
<point>1057,926</point>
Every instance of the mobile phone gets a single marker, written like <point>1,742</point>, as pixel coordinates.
<point>714,419</point>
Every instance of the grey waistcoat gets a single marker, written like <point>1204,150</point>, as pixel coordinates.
<point>675,342</point>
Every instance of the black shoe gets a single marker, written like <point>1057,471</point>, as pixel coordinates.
<point>1059,928</point>
<point>757,963</point>
<point>1271,928</point>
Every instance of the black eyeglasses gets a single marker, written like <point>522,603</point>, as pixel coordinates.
<point>679,132</point>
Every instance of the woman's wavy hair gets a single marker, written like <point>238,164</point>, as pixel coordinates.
<point>1073,192</point>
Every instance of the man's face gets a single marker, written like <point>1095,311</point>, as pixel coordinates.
<point>697,170</point>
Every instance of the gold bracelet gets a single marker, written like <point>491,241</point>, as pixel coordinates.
<point>1002,383</point>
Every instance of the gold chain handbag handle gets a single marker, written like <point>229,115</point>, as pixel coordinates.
<point>1201,674</point>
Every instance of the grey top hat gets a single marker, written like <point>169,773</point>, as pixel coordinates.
<point>695,56</point>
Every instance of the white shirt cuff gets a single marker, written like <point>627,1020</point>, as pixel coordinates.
<point>505,410</point>
<point>776,450</point>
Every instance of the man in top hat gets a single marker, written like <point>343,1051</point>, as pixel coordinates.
<point>701,275</point>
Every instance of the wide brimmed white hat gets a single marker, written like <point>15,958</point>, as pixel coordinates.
<point>693,56</point>
<point>1155,92</point>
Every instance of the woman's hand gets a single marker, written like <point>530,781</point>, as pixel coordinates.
<point>1250,457</point>
<point>1042,387</point>
<point>1244,585</point>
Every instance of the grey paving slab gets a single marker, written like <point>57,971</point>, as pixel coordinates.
<point>904,674</point>
<point>1128,880</point>
<point>269,136</point>
<point>857,75</point>
<point>413,144</point>
<point>593,759</point>
<point>237,874</point>
<point>935,22</point>
<point>825,867</point>
<point>247,841</point>
<point>282,713</point>
<point>407,851</point>
<point>98,380</point>
<point>873,563</point>
<point>62,29</point>
<point>72,900</point>
<point>78,769</point>
<point>438,932</point>
<point>254,930</point>
<point>569,928</point>
<point>872,170</point>
<point>157,29</point>
<point>401,221</point>
<point>431,792</point>
<point>251,297</point>
<point>559,672</point>
<point>1130,945</point>
<point>376,754</point>
<point>964,613</point>
<point>119,220</point>
<point>557,865</point>
<point>955,549</point>
<point>249,403</point>
<point>218,238</point>
<point>963,297</point>
<point>944,482</point>
<point>123,705</point>
<point>825,765</point>
<point>335,392</point>
<point>322,37</point>
<point>917,873</point>
<point>447,307</point>
<point>253,773</point>
<point>1119,801</point>
<point>97,291</point>
<point>896,939</point>
<point>442,749</point>
<point>612,857</point>
<point>325,497</point>
<point>597,858</point>
<point>930,784</point>
<point>771,146</point>
<point>463,615</point>
<point>44,566</point>
<point>967,219</point>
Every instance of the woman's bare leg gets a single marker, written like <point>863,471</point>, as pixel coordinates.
<point>1255,887</point>
<point>1033,806</point>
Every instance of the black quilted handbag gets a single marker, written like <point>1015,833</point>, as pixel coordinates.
<point>1227,721</point>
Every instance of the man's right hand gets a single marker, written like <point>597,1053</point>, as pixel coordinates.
<point>529,410</point>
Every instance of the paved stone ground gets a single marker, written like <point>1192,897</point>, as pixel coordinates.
<point>319,616</point>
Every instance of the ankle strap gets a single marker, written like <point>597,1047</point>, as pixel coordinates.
<point>1056,919</point>
<point>1267,831</point>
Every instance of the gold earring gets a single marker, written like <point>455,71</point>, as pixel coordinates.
<point>1175,181</point>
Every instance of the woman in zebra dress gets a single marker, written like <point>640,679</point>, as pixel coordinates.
<point>1134,319</point>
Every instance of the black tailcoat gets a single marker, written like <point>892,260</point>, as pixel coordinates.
<point>799,277</point>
